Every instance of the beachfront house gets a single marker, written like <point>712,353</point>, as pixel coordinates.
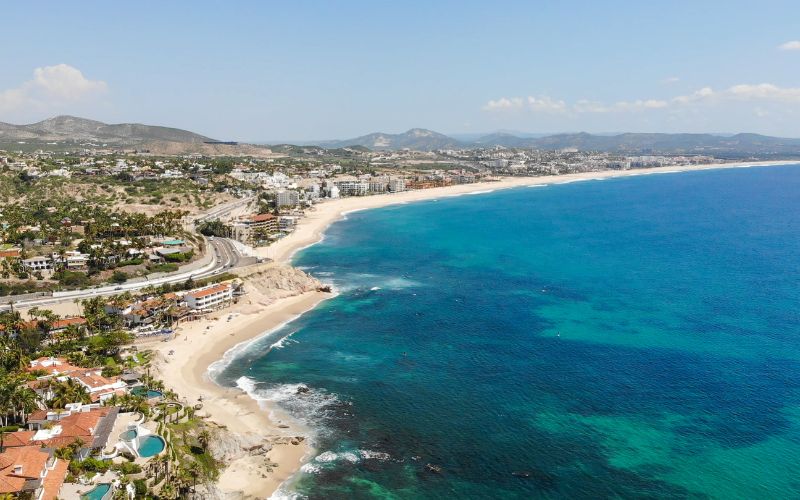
<point>210,297</point>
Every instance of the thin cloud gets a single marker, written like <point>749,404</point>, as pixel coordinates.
<point>539,104</point>
<point>791,45</point>
<point>50,88</point>
<point>761,92</point>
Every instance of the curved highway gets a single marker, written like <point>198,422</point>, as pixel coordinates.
<point>224,256</point>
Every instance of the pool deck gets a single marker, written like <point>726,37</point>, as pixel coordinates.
<point>72,491</point>
<point>120,426</point>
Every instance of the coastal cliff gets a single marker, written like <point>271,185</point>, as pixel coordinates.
<point>276,281</point>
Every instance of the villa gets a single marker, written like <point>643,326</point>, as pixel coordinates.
<point>31,472</point>
<point>100,388</point>
<point>53,366</point>
<point>90,424</point>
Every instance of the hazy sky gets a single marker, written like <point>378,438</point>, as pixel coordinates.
<point>313,70</point>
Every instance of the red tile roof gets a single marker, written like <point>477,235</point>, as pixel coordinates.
<point>9,254</point>
<point>262,217</point>
<point>56,325</point>
<point>54,479</point>
<point>205,292</point>
<point>57,366</point>
<point>18,438</point>
<point>80,425</point>
<point>32,460</point>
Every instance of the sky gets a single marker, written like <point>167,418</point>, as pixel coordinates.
<point>301,70</point>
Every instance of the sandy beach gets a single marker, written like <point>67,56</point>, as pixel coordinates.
<point>311,228</point>
<point>200,344</point>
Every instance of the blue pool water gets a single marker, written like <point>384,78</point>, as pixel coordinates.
<point>128,435</point>
<point>148,393</point>
<point>634,337</point>
<point>98,492</point>
<point>150,446</point>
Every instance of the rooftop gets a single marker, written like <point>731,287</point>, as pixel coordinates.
<point>205,292</point>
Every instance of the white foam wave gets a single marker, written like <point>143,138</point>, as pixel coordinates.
<point>217,367</point>
<point>374,455</point>
<point>375,288</point>
<point>283,342</point>
<point>400,283</point>
<point>327,456</point>
<point>570,181</point>
<point>309,406</point>
<point>309,468</point>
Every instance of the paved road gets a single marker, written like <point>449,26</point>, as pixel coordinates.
<point>222,210</point>
<point>224,257</point>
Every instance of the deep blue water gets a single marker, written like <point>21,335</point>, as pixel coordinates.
<point>635,337</point>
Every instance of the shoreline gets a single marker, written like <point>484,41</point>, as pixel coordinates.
<point>311,228</point>
<point>188,369</point>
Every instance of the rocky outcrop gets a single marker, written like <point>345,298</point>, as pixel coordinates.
<point>276,281</point>
<point>227,446</point>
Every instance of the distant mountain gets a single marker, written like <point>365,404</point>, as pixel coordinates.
<point>631,143</point>
<point>418,139</point>
<point>74,129</point>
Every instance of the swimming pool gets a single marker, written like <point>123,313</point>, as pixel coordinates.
<point>129,435</point>
<point>98,492</point>
<point>151,445</point>
<point>148,393</point>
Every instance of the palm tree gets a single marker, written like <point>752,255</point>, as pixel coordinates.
<point>204,438</point>
<point>25,402</point>
<point>69,391</point>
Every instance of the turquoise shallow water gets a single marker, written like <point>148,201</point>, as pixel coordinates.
<point>632,338</point>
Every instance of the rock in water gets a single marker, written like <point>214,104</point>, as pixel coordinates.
<point>436,469</point>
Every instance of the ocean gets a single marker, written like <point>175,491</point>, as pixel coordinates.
<point>630,338</point>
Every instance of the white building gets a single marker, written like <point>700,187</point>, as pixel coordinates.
<point>73,259</point>
<point>397,185</point>
<point>352,188</point>
<point>378,185</point>
<point>288,198</point>
<point>287,223</point>
<point>209,297</point>
<point>38,264</point>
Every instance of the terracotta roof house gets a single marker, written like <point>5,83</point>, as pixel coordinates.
<point>53,366</point>
<point>31,471</point>
<point>13,253</point>
<point>90,424</point>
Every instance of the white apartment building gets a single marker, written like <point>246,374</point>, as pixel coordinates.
<point>288,198</point>
<point>397,185</point>
<point>378,185</point>
<point>352,188</point>
<point>209,297</point>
